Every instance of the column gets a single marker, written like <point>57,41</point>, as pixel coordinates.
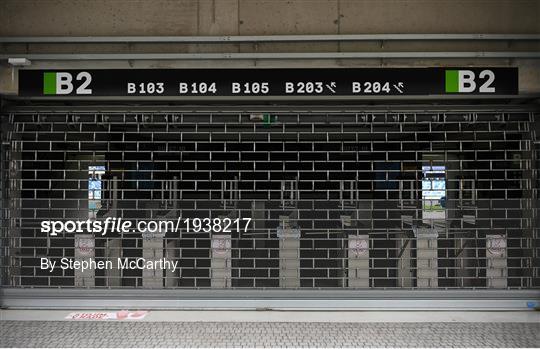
<point>358,258</point>
<point>152,250</point>
<point>289,254</point>
<point>84,251</point>
<point>426,258</point>
<point>496,263</point>
<point>220,264</point>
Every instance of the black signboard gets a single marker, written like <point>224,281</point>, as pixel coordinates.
<point>257,83</point>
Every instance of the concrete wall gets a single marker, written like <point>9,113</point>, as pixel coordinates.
<point>263,17</point>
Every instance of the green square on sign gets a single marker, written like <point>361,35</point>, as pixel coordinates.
<point>49,83</point>
<point>451,81</point>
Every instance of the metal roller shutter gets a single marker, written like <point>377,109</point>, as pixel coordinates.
<point>340,198</point>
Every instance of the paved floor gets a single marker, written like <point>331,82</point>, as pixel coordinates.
<point>267,334</point>
<point>292,316</point>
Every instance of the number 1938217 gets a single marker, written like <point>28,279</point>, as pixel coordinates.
<point>216,225</point>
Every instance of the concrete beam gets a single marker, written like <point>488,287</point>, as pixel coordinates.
<point>260,17</point>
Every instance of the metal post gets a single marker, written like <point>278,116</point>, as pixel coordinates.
<point>404,271</point>
<point>258,215</point>
<point>171,251</point>
<point>113,247</point>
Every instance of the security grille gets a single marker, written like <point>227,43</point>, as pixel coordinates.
<point>336,199</point>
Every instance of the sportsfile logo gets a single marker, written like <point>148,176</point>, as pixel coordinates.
<point>62,83</point>
<point>465,81</point>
